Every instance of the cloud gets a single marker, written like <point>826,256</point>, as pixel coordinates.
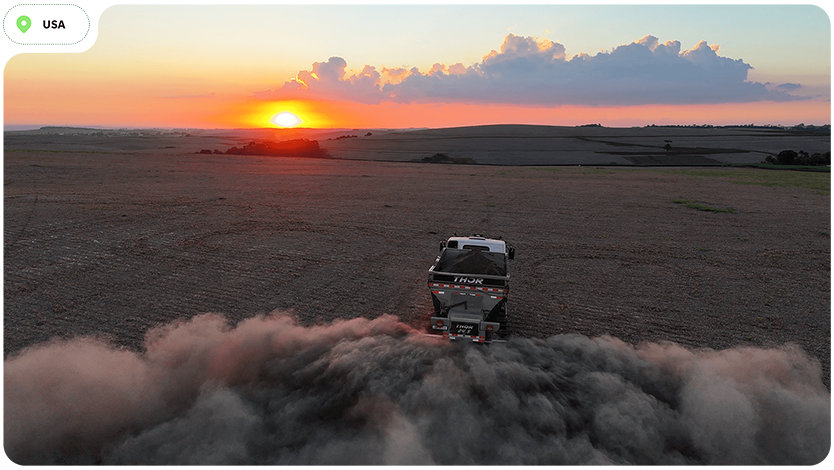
<point>362,392</point>
<point>330,80</point>
<point>537,72</point>
<point>789,86</point>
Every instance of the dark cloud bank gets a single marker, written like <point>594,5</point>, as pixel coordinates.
<point>377,392</point>
<point>537,72</point>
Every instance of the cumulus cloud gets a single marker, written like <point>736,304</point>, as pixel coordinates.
<point>360,391</point>
<point>330,80</point>
<point>536,71</point>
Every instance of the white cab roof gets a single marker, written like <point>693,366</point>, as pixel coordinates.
<point>497,246</point>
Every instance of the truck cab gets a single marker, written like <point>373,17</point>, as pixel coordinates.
<point>479,243</point>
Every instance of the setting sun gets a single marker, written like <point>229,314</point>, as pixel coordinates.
<point>283,114</point>
<point>285,119</point>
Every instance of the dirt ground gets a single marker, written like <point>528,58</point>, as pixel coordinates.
<point>114,244</point>
<point>553,145</point>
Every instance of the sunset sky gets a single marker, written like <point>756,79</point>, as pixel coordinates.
<point>433,66</point>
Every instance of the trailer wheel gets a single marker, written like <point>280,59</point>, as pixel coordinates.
<point>438,306</point>
<point>499,313</point>
<point>504,319</point>
<point>503,315</point>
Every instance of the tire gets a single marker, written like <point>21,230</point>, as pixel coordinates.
<point>438,307</point>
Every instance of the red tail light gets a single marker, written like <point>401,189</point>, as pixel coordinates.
<point>489,327</point>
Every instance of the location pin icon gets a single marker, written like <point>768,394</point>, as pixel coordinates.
<point>23,23</point>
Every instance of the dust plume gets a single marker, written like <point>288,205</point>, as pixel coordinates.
<point>360,391</point>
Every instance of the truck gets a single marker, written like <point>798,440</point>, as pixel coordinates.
<point>469,285</point>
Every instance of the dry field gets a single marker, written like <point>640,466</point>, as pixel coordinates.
<point>553,145</point>
<point>112,244</point>
<point>492,145</point>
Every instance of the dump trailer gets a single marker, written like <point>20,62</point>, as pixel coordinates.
<point>469,285</point>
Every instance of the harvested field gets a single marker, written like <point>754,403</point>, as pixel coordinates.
<point>553,145</point>
<point>514,145</point>
<point>112,244</point>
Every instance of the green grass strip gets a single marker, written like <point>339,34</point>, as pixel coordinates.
<point>703,207</point>
<point>818,182</point>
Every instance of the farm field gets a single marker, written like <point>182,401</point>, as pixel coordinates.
<point>114,243</point>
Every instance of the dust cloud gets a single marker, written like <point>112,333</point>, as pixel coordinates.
<point>360,391</point>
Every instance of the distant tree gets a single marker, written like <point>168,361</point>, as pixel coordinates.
<point>786,157</point>
<point>285,148</point>
<point>802,158</point>
<point>790,157</point>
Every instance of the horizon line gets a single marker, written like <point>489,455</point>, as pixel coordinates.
<point>34,127</point>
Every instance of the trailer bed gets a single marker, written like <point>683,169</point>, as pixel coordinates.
<point>474,262</point>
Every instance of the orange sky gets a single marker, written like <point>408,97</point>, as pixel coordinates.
<point>189,76</point>
<point>97,105</point>
<point>400,115</point>
<point>133,96</point>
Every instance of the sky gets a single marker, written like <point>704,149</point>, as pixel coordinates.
<point>400,66</point>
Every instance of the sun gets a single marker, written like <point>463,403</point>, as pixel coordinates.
<point>285,119</point>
